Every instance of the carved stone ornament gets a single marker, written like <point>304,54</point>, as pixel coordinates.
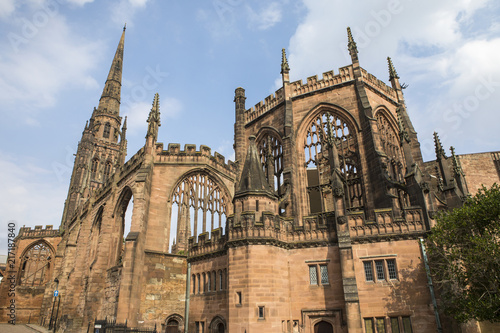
<point>342,219</point>
<point>338,191</point>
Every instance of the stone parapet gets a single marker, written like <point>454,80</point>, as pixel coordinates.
<point>264,106</point>
<point>379,85</point>
<point>329,79</point>
<point>38,232</point>
<point>174,154</point>
<point>386,225</point>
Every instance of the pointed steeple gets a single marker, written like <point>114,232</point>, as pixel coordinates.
<point>439,147</point>
<point>351,46</point>
<point>154,118</point>
<point>392,71</point>
<point>110,98</point>
<point>253,180</point>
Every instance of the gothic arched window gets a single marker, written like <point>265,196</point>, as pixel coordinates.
<point>36,265</point>
<point>107,170</point>
<point>389,140</point>
<point>332,163</point>
<point>94,168</point>
<point>107,130</point>
<point>199,203</point>
<point>271,157</point>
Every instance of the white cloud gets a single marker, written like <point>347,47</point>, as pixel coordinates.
<point>80,2</point>
<point>7,7</point>
<point>125,10</point>
<point>266,18</point>
<point>36,67</point>
<point>137,113</point>
<point>27,197</point>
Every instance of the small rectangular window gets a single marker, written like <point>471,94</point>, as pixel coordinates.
<point>261,312</point>
<point>391,269</point>
<point>369,325</point>
<point>238,297</point>
<point>395,325</point>
<point>407,325</point>
<point>323,269</point>
<point>313,275</point>
<point>379,266</point>
<point>380,325</point>
<point>368,270</point>
<point>256,205</point>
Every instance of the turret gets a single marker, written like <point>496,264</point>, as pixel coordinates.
<point>253,192</point>
<point>239,126</point>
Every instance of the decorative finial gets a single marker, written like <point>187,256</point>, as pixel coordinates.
<point>125,26</point>
<point>439,147</point>
<point>124,127</point>
<point>403,134</point>
<point>392,71</point>
<point>457,168</point>
<point>351,45</point>
<point>284,62</point>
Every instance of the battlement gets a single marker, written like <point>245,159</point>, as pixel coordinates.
<point>174,154</point>
<point>329,79</point>
<point>378,84</point>
<point>386,225</point>
<point>137,157</point>
<point>263,106</point>
<point>38,231</point>
<point>207,245</point>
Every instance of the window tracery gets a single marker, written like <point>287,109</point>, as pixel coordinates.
<point>200,203</point>
<point>36,265</point>
<point>332,163</point>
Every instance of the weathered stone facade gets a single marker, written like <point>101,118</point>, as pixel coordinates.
<point>315,227</point>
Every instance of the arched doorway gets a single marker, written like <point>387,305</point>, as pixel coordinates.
<point>172,326</point>
<point>323,327</point>
<point>220,328</point>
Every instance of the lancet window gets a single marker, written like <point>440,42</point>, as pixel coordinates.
<point>390,142</point>
<point>36,265</point>
<point>199,203</point>
<point>107,130</point>
<point>332,163</point>
<point>94,168</point>
<point>107,170</point>
<point>271,157</point>
<point>94,235</point>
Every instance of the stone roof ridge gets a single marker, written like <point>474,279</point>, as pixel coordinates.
<point>252,179</point>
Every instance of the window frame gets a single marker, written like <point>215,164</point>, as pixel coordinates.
<point>379,269</point>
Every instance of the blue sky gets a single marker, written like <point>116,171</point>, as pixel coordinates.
<point>55,55</point>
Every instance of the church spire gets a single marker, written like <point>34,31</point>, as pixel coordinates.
<point>110,98</point>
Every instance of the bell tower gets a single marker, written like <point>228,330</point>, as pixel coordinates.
<point>102,148</point>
